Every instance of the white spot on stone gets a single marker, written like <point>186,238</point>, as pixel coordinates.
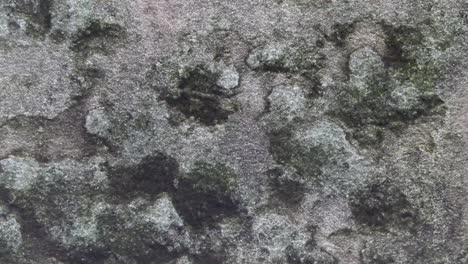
<point>229,78</point>
<point>97,123</point>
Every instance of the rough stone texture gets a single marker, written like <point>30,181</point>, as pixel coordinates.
<point>201,131</point>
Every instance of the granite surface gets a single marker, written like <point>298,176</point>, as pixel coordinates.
<point>248,131</point>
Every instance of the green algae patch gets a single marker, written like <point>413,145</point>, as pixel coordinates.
<point>409,57</point>
<point>198,96</point>
<point>306,160</point>
<point>216,178</point>
<point>423,75</point>
<point>205,195</point>
<point>395,88</point>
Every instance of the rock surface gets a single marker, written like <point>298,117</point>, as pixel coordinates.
<point>201,131</point>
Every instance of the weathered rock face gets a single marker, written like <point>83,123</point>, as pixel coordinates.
<point>200,131</point>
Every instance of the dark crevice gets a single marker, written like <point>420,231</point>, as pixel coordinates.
<point>199,97</point>
<point>341,33</point>
<point>205,195</point>
<point>152,176</point>
<point>266,105</point>
<point>44,15</point>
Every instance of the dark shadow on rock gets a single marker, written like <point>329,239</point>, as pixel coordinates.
<point>152,176</point>
<point>287,190</point>
<point>199,97</point>
<point>308,161</point>
<point>383,205</point>
<point>38,15</point>
<point>205,195</point>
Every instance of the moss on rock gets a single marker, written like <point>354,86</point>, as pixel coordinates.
<point>306,160</point>
<point>383,206</point>
<point>206,194</point>
<point>392,90</point>
<point>198,96</point>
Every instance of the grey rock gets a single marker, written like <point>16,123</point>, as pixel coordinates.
<point>198,131</point>
<point>228,79</point>
<point>138,227</point>
<point>98,123</point>
<point>287,103</point>
<point>270,56</point>
<point>405,98</point>
<point>365,65</point>
<point>11,239</point>
<point>184,260</point>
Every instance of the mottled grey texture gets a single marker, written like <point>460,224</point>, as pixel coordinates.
<point>201,131</point>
